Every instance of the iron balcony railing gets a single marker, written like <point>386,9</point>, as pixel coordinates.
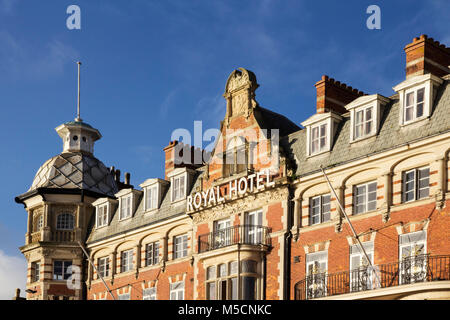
<point>242,234</point>
<point>421,268</point>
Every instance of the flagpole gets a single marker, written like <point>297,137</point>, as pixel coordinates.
<point>361,248</point>
<point>92,264</point>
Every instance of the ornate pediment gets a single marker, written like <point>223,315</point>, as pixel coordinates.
<point>240,93</point>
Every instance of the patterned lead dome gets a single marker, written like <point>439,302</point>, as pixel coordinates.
<point>75,170</point>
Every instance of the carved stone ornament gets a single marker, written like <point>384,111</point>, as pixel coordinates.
<point>46,252</point>
<point>241,205</point>
<point>440,199</point>
<point>238,78</point>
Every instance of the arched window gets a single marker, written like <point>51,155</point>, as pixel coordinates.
<point>65,221</point>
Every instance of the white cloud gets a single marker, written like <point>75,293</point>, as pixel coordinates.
<point>13,274</point>
<point>22,60</point>
<point>7,6</point>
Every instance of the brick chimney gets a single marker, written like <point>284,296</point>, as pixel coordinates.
<point>179,155</point>
<point>424,55</point>
<point>333,95</point>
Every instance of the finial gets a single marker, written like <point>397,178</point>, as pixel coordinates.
<point>78,118</point>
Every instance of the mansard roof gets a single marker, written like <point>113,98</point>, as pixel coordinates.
<point>390,135</point>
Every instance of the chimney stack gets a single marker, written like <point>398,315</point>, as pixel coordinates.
<point>424,55</point>
<point>127,178</point>
<point>333,95</point>
<point>182,155</point>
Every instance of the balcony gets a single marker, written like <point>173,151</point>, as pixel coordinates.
<point>245,234</point>
<point>417,269</point>
<point>63,235</point>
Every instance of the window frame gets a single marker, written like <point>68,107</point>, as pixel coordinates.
<point>129,265</point>
<point>154,196</point>
<point>321,208</point>
<point>154,253</point>
<point>103,268</point>
<point>180,247</point>
<point>104,215</point>
<point>149,296</point>
<point>366,197</point>
<point>65,225</point>
<point>55,277</point>
<point>124,200</point>
<point>416,184</point>
<point>415,91</point>
<point>174,179</point>
<point>177,290</point>
<point>326,146</point>
<point>35,271</point>
<point>364,122</point>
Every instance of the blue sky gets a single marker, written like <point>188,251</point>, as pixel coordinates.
<point>150,67</point>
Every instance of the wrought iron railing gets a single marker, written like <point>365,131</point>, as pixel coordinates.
<point>420,268</point>
<point>243,234</point>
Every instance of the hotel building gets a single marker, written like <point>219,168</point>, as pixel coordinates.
<point>255,218</point>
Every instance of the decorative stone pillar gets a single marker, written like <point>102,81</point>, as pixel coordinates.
<point>29,227</point>
<point>47,230</point>
<point>297,217</point>
<point>138,260</point>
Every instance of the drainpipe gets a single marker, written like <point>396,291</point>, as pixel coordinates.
<point>287,247</point>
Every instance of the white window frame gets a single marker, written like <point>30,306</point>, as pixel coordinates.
<point>414,91</point>
<point>176,185</point>
<point>369,248</point>
<point>149,294</point>
<point>222,233</point>
<point>326,145</point>
<point>364,122</point>
<point>177,293</point>
<point>321,209</point>
<point>431,84</point>
<point>180,250</point>
<point>126,263</point>
<point>103,268</point>
<point>102,215</point>
<point>152,247</point>
<point>317,259</point>
<point>413,245</point>
<point>127,211</point>
<point>366,197</point>
<point>253,221</point>
<point>125,296</point>
<point>152,201</point>
<point>416,184</point>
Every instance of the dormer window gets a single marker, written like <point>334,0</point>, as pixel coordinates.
<point>414,104</point>
<point>319,138</point>
<point>320,130</point>
<point>126,207</point>
<point>151,197</point>
<point>416,96</point>
<point>364,122</point>
<point>102,215</point>
<point>365,115</point>
<point>153,190</point>
<point>178,187</point>
<point>180,182</point>
<point>235,158</point>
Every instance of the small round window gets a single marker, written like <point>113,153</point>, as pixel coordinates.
<point>75,138</point>
<point>84,139</point>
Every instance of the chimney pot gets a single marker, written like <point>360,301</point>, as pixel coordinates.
<point>127,178</point>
